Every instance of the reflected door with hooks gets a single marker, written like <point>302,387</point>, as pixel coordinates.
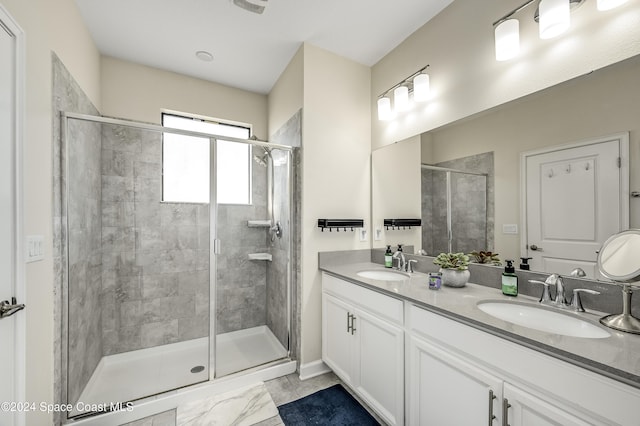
<point>574,202</point>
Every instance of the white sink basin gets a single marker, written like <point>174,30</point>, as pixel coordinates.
<point>383,275</point>
<point>543,319</point>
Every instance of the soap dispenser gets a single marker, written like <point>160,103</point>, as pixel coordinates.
<point>524,263</point>
<point>388,258</point>
<point>509,280</point>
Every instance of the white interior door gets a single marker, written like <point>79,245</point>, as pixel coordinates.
<point>11,275</point>
<point>576,197</point>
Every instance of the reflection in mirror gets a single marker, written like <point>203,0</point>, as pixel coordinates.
<point>619,259</point>
<point>454,210</point>
<point>601,103</point>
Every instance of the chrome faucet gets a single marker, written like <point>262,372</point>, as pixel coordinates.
<point>557,281</point>
<point>402,260</point>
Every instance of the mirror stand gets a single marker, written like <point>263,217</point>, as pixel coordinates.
<point>624,321</point>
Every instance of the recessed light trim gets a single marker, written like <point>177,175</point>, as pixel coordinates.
<point>205,56</point>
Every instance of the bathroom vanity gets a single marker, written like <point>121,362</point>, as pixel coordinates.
<point>419,356</point>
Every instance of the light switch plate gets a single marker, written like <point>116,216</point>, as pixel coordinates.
<point>34,248</point>
<point>509,228</point>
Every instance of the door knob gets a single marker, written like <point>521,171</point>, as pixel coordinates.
<point>535,247</point>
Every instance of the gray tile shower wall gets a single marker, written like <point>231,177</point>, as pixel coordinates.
<point>85,346</point>
<point>285,250</point>
<point>472,206</point>
<point>155,274</point>
<point>85,258</point>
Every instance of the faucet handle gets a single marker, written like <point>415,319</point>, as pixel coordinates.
<point>410,263</point>
<point>576,302</point>
<point>546,296</point>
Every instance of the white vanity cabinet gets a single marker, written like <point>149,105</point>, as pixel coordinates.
<point>363,343</point>
<point>446,390</point>
<point>458,375</point>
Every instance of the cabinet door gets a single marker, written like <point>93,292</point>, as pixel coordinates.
<point>446,390</point>
<point>379,362</point>
<point>337,340</point>
<point>525,409</point>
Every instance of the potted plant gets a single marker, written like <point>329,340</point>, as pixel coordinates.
<point>486,257</point>
<point>454,268</point>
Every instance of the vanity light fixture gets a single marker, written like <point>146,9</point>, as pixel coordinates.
<point>553,17</point>
<point>417,83</point>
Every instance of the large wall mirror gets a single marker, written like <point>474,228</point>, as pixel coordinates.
<point>498,149</point>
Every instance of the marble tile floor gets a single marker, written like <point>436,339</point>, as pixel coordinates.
<point>282,390</point>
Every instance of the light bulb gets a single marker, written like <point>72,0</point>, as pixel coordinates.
<point>555,17</point>
<point>384,108</point>
<point>507,36</point>
<point>401,98</point>
<point>421,87</point>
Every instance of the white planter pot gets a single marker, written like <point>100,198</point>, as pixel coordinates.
<point>454,277</point>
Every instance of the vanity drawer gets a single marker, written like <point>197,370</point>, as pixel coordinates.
<point>377,303</point>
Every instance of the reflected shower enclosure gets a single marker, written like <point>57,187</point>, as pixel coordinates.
<point>160,295</point>
<point>454,210</point>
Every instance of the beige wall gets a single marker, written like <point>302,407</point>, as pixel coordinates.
<point>336,134</point>
<point>48,26</point>
<point>602,103</point>
<point>137,92</point>
<point>286,96</point>
<point>395,192</point>
<point>466,78</point>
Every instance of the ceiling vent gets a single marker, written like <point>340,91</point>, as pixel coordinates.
<point>255,6</point>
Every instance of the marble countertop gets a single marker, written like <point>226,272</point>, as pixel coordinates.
<point>617,356</point>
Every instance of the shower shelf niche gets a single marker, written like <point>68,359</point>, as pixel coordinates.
<point>259,223</point>
<point>261,256</point>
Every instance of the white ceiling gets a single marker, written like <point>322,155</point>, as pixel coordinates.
<point>250,51</point>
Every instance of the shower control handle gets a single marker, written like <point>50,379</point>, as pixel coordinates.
<point>7,309</point>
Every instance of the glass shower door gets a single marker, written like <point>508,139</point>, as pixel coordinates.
<point>252,267</point>
<point>138,270</point>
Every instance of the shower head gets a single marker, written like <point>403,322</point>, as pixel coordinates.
<point>264,158</point>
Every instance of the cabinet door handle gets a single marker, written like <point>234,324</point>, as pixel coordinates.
<point>353,323</point>
<point>505,412</point>
<point>349,322</point>
<point>492,417</point>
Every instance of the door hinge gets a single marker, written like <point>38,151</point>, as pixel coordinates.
<point>619,162</point>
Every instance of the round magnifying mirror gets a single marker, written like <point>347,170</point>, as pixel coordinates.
<point>619,258</point>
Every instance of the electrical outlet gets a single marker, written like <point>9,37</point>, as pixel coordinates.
<point>363,234</point>
<point>34,248</point>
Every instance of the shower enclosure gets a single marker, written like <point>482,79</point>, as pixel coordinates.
<point>454,210</point>
<point>157,294</point>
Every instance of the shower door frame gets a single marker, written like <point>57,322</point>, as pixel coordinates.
<point>214,242</point>
<point>448,172</point>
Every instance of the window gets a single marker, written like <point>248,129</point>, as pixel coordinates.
<point>185,162</point>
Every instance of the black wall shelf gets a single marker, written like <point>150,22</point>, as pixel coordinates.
<point>338,224</point>
<point>401,223</point>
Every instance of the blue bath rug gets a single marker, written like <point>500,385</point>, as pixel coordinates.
<point>331,406</point>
